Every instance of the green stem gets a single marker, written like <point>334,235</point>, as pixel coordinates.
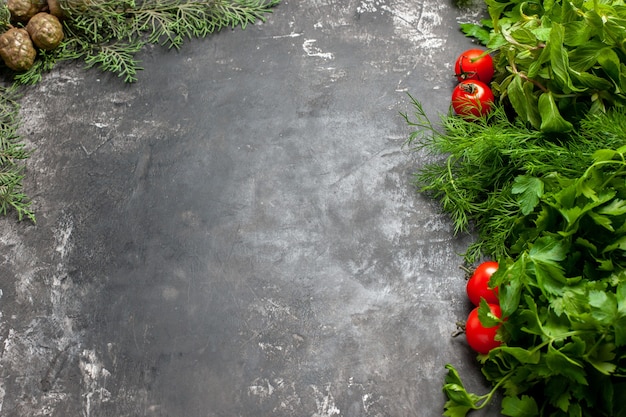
<point>527,78</point>
<point>595,346</point>
<point>483,400</point>
<point>451,175</point>
<point>612,176</point>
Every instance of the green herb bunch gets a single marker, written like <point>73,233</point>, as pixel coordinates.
<point>108,34</point>
<point>552,210</point>
<point>479,166</point>
<point>563,295</point>
<point>556,59</point>
<point>541,181</point>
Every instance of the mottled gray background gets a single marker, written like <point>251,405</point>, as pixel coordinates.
<point>236,233</point>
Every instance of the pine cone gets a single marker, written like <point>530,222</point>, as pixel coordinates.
<point>45,30</point>
<point>23,10</point>
<point>55,9</point>
<point>17,50</point>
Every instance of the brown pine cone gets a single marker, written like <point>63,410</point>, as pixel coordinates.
<point>23,10</point>
<point>17,50</point>
<point>45,30</point>
<point>55,9</point>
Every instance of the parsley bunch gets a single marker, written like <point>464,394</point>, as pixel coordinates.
<point>542,182</point>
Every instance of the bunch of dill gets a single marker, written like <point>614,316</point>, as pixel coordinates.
<point>476,163</point>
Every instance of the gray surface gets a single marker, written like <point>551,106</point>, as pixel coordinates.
<point>236,233</point>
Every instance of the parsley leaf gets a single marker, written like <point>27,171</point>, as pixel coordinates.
<point>524,406</point>
<point>529,189</point>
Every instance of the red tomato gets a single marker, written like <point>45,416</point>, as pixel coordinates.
<point>472,99</point>
<point>480,338</point>
<point>474,64</point>
<point>478,284</point>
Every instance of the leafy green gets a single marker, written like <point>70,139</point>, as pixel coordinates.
<point>519,407</point>
<point>489,174</point>
<point>556,60</point>
<point>565,342</point>
<point>530,190</point>
<point>542,182</point>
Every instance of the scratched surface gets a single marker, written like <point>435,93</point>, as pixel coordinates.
<point>236,234</point>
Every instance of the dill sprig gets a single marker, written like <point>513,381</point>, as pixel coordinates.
<point>476,163</point>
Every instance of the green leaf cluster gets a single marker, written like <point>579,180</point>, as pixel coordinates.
<point>489,174</point>
<point>542,182</point>
<point>552,210</point>
<point>563,293</point>
<point>556,60</point>
<point>108,34</point>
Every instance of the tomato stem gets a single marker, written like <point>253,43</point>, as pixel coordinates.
<point>460,329</point>
<point>465,269</point>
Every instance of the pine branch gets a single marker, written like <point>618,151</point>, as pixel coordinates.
<point>12,197</point>
<point>118,58</point>
<point>109,34</point>
<point>12,153</point>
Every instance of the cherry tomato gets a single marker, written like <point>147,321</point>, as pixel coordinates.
<point>474,64</point>
<point>472,99</point>
<point>478,285</point>
<point>480,338</point>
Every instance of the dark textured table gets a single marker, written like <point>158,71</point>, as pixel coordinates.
<point>236,234</point>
